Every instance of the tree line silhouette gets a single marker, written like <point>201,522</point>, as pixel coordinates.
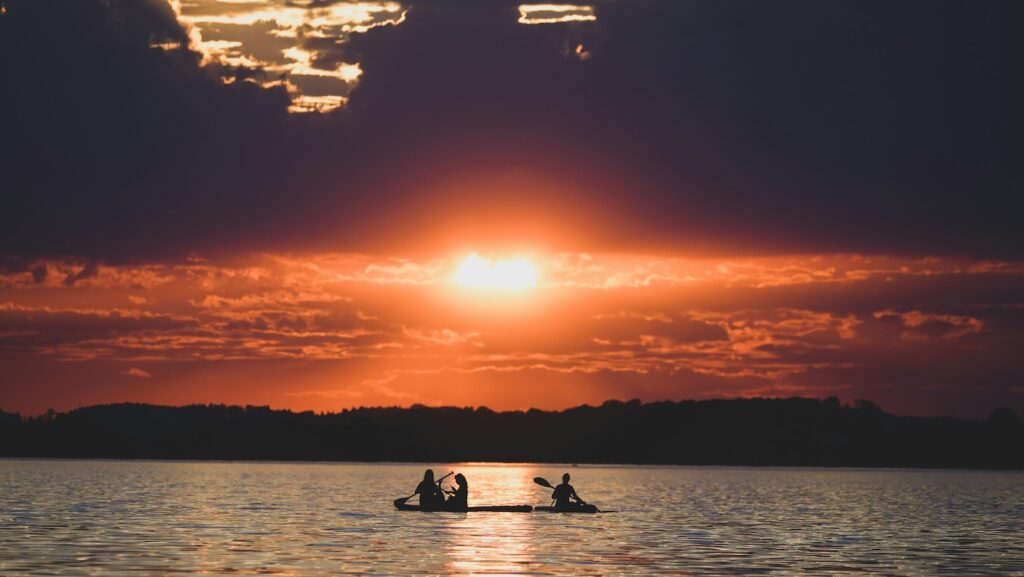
<point>793,431</point>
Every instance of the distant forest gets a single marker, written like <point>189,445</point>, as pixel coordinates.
<point>795,431</point>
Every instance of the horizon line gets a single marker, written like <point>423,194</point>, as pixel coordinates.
<point>416,406</point>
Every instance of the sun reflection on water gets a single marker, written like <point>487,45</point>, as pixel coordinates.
<point>493,544</point>
<point>496,544</point>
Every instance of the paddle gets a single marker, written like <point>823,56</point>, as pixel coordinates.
<point>401,501</point>
<point>544,483</point>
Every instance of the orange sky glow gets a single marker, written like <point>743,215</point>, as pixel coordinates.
<point>329,331</point>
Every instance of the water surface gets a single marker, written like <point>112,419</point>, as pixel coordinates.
<point>132,518</point>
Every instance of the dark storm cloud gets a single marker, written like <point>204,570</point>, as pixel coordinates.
<point>736,125</point>
<point>113,148</point>
<point>793,124</point>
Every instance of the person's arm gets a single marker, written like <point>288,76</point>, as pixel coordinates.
<point>577,497</point>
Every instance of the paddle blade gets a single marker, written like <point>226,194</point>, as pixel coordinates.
<point>542,482</point>
<point>400,502</point>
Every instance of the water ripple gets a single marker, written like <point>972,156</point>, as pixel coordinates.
<point>139,518</point>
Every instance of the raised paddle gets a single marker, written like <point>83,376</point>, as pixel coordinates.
<point>544,483</point>
<point>402,500</point>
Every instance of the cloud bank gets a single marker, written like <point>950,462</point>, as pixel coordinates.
<point>921,336</point>
<point>705,127</point>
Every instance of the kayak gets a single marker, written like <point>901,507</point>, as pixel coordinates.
<point>482,509</point>
<point>486,508</point>
<point>575,509</point>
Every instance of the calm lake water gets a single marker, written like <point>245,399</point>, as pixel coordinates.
<point>131,518</point>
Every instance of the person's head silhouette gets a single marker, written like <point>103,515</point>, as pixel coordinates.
<point>428,476</point>
<point>460,479</point>
<point>565,478</point>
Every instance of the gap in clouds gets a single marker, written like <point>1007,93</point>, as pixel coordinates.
<point>301,45</point>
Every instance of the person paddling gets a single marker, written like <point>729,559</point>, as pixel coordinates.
<point>563,493</point>
<point>429,491</point>
<point>459,499</point>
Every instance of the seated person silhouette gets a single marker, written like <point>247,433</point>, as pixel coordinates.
<point>431,496</point>
<point>564,492</point>
<point>459,499</point>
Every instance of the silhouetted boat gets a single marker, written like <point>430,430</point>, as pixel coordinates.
<point>574,509</point>
<point>401,505</point>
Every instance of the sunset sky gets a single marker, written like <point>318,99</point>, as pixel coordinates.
<point>317,204</point>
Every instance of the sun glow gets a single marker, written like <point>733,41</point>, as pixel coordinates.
<point>479,272</point>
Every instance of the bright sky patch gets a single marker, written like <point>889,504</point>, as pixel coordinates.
<point>555,13</point>
<point>512,274</point>
<point>295,44</point>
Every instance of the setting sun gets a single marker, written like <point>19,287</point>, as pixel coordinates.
<point>480,272</point>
